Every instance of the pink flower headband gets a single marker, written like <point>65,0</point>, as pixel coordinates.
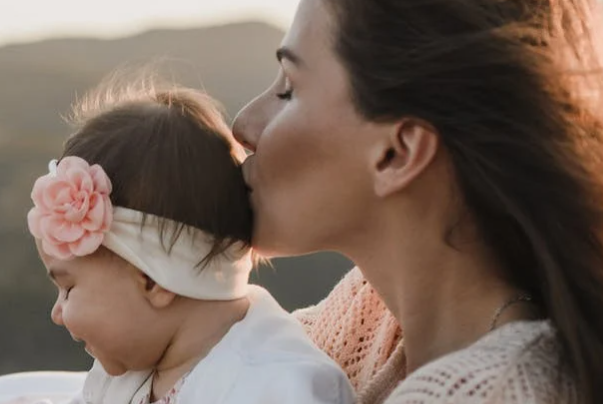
<point>73,216</point>
<point>72,210</point>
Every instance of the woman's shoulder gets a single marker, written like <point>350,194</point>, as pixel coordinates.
<point>516,364</point>
<point>355,328</point>
<point>346,290</point>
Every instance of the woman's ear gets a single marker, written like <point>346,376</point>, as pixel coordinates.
<point>156,295</point>
<point>403,154</point>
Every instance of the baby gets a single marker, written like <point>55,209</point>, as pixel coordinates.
<point>143,225</point>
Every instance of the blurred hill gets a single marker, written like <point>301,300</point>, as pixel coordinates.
<point>38,83</point>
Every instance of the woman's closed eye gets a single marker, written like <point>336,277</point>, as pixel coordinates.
<point>285,95</point>
<point>288,91</point>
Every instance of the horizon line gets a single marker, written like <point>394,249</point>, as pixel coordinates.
<point>137,31</point>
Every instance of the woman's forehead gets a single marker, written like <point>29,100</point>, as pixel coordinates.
<point>310,32</point>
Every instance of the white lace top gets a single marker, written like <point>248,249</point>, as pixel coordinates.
<point>515,364</point>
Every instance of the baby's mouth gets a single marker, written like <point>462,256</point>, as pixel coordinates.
<point>81,341</point>
<point>89,350</point>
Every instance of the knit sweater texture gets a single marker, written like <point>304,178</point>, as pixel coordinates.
<point>519,363</point>
<point>353,326</point>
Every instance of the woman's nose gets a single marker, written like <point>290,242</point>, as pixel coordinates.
<point>57,314</point>
<point>249,124</point>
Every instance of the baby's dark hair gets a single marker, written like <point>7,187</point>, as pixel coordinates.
<point>169,153</point>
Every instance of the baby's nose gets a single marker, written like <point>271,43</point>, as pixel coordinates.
<point>57,314</point>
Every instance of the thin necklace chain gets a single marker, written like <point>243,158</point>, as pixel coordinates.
<point>506,305</point>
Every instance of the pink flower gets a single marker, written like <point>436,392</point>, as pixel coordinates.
<point>72,210</point>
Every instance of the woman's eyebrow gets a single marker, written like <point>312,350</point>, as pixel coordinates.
<point>286,53</point>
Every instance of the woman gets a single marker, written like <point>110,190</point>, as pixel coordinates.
<point>450,148</point>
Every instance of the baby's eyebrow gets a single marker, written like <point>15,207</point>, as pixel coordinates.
<point>54,273</point>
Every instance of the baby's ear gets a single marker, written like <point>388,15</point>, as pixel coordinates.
<point>157,296</point>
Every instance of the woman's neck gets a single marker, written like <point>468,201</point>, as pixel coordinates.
<point>444,297</point>
<point>201,326</point>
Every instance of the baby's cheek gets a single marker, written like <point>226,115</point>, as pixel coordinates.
<point>72,319</point>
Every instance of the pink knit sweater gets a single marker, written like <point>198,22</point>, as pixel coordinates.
<point>517,363</point>
<point>513,364</point>
<point>353,326</point>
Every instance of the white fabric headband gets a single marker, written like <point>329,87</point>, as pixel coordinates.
<point>73,216</point>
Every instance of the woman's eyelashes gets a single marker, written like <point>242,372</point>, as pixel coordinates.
<point>287,93</point>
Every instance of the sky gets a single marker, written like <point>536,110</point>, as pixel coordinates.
<point>32,20</point>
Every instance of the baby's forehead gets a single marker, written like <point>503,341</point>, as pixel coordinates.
<point>53,265</point>
<point>46,259</point>
<point>56,269</point>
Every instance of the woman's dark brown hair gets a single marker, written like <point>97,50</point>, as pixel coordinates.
<point>169,153</point>
<point>513,88</point>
